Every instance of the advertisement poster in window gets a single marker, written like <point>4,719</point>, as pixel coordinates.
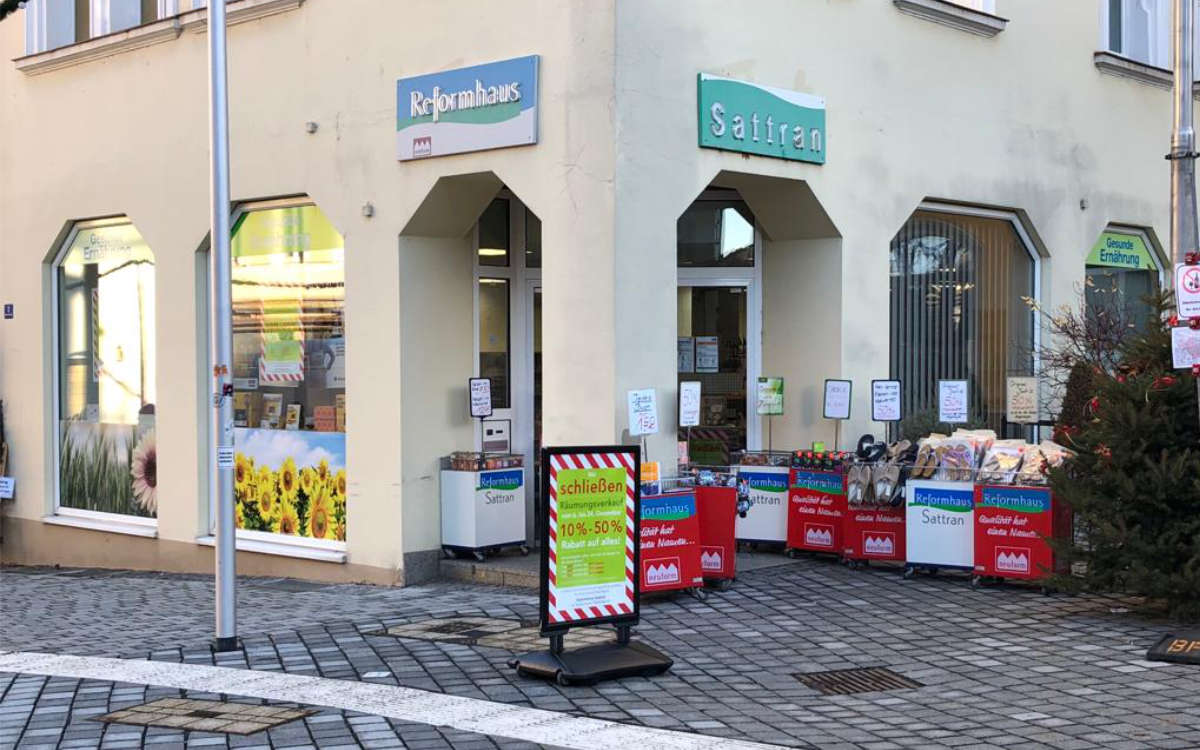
<point>687,354</point>
<point>290,482</point>
<point>708,355</point>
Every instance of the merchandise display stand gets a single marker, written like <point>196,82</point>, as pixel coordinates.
<point>873,534</point>
<point>591,664</point>
<point>939,526</point>
<point>816,509</point>
<point>717,506</point>
<point>670,543</point>
<point>1012,525</point>
<point>483,504</point>
<point>762,481</point>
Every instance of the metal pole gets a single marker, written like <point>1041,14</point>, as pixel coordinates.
<point>1183,138</point>
<point>221,325</point>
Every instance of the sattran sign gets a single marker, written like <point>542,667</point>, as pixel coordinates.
<point>468,109</point>
<point>752,119</point>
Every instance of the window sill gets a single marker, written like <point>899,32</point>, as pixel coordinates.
<point>110,525</point>
<point>146,35</point>
<point>280,548</point>
<point>1125,67</point>
<point>953,15</point>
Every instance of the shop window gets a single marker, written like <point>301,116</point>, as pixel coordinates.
<point>715,233</point>
<point>289,373</point>
<point>50,24</point>
<point>533,240</point>
<point>493,234</point>
<point>1122,274</point>
<point>958,284</point>
<point>495,360</point>
<point>107,457</point>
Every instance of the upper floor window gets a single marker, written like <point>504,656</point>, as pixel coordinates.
<point>1139,30</point>
<point>50,24</point>
<point>983,6</point>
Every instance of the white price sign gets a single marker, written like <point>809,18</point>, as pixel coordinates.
<point>643,412</point>
<point>481,397</point>
<point>7,485</point>
<point>837,399</point>
<point>689,403</point>
<point>885,401</point>
<point>952,401</point>
<point>1022,401</point>
<point>1187,290</point>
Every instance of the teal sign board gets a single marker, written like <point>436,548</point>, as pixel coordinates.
<point>752,119</point>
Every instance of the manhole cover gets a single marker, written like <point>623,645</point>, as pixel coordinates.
<point>861,680</point>
<point>205,716</point>
<point>511,635</point>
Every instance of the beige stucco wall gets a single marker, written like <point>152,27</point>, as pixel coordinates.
<point>915,110</point>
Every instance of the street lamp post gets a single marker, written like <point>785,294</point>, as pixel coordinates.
<point>221,326</point>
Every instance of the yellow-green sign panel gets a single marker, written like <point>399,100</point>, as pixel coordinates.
<point>1120,250</point>
<point>591,526</point>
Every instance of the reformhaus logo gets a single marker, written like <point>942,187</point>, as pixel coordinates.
<point>764,482</point>
<point>669,508</point>
<point>827,482</point>
<point>955,501</point>
<point>501,480</point>
<point>493,105</point>
<point>1018,499</point>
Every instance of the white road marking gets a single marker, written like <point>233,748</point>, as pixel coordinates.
<point>390,701</point>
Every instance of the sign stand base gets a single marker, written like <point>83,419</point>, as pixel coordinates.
<point>591,664</point>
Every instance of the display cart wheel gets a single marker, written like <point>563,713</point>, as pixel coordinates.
<point>909,572</point>
<point>480,555</point>
<point>975,581</point>
<point>1047,591</point>
<point>449,553</point>
<point>699,593</point>
<point>524,550</point>
<point>932,570</point>
<point>723,584</point>
<point>561,679</point>
<point>792,553</point>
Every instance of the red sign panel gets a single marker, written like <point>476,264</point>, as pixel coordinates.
<point>873,534</point>
<point>670,542</point>
<point>717,508</point>
<point>1011,527</point>
<point>816,505</point>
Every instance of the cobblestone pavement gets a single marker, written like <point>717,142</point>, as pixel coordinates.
<point>1001,667</point>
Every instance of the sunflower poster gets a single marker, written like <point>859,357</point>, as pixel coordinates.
<point>290,482</point>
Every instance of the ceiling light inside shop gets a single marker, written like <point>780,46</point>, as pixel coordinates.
<point>492,251</point>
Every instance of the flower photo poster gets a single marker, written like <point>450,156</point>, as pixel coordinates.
<point>290,482</point>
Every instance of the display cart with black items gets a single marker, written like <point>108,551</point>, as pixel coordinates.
<point>816,502</point>
<point>482,504</point>
<point>762,505</point>
<point>716,505</point>
<point>589,563</point>
<point>669,538</point>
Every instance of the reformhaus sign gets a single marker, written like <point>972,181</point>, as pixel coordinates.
<point>493,105</point>
<point>753,119</point>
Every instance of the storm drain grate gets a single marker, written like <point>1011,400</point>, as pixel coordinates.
<point>859,680</point>
<point>206,716</point>
<point>511,635</point>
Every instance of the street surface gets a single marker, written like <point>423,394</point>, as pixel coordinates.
<point>1001,667</point>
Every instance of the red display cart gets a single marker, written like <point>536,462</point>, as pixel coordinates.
<point>1012,524</point>
<point>670,543</point>
<point>717,509</point>
<point>816,507</point>
<point>871,533</point>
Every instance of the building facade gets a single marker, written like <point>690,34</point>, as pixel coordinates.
<point>573,199</point>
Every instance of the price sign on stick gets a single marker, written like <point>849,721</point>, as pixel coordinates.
<point>1022,401</point>
<point>837,399</point>
<point>885,401</point>
<point>643,412</point>
<point>689,403</point>
<point>481,397</point>
<point>952,401</point>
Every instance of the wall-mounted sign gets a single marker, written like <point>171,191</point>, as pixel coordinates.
<point>493,105</point>
<point>481,397</point>
<point>952,401</point>
<point>752,119</point>
<point>1022,400</point>
<point>769,401</point>
<point>1121,250</point>
<point>643,412</point>
<point>708,354</point>
<point>689,403</point>
<point>885,401</point>
<point>1187,290</point>
<point>837,399</point>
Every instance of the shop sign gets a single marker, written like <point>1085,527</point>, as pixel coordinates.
<point>939,523</point>
<point>1187,290</point>
<point>670,539</point>
<point>818,502</point>
<point>765,490</point>
<point>589,558</point>
<point>1011,527</point>
<point>1120,250</point>
<point>493,105</point>
<point>1185,348</point>
<point>501,487</point>
<point>295,229</point>
<point>753,119</point>
<point>1021,405</point>
<point>770,397</point>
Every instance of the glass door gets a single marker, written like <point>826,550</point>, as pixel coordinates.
<point>714,350</point>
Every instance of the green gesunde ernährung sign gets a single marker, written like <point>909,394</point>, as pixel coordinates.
<point>590,547</point>
<point>1120,250</point>
<point>752,119</point>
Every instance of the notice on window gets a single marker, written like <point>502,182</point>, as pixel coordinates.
<point>769,397</point>
<point>481,397</point>
<point>837,399</point>
<point>7,487</point>
<point>643,412</point>
<point>885,400</point>
<point>687,354</point>
<point>952,401</point>
<point>689,403</point>
<point>708,356</point>
<point>1185,347</point>
<point>1021,404</point>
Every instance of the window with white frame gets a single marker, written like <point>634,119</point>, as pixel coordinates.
<point>1138,29</point>
<point>984,6</point>
<point>50,24</point>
